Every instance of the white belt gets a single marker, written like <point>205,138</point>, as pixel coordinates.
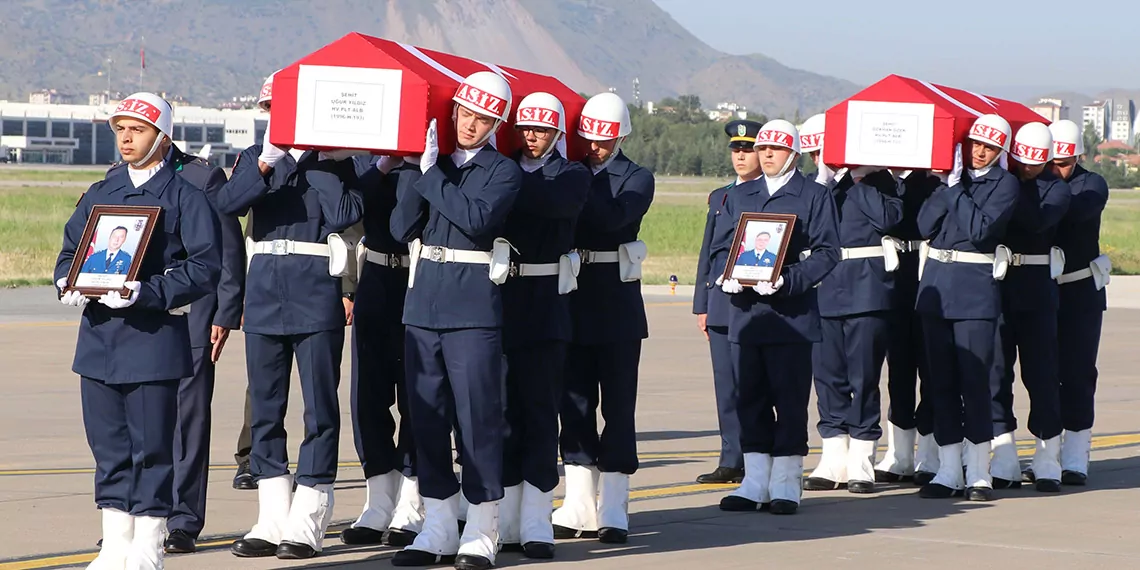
<point>1075,276</point>
<point>861,252</point>
<point>289,247</point>
<point>440,254</point>
<point>955,256</point>
<point>598,256</point>
<point>905,246</point>
<point>534,269</point>
<point>1020,259</point>
<point>387,259</point>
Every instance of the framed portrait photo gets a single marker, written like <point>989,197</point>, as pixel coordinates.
<point>759,245</point>
<point>112,248</point>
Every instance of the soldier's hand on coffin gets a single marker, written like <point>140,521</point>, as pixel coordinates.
<point>116,301</point>
<point>218,338</point>
<point>431,149</point>
<point>731,286</point>
<point>388,163</point>
<point>270,153</point>
<point>956,173</point>
<point>767,288</point>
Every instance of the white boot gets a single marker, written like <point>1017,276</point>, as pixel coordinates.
<point>579,510</point>
<point>309,516</point>
<point>534,515</point>
<point>786,483</point>
<point>409,513</point>
<point>613,501</point>
<point>509,515</point>
<point>1005,464</point>
<point>481,535</point>
<point>832,469</point>
<point>860,461</point>
<point>118,533</point>
<point>949,472</point>
<point>978,466</point>
<point>274,497</point>
<point>1075,448</point>
<point>440,533</point>
<point>899,459</point>
<point>757,477</point>
<point>1047,459</point>
<point>146,551</point>
<point>926,458</point>
<point>379,501</point>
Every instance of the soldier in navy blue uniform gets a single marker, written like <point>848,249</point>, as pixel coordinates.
<point>293,307</point>
<point>1082,299</point>
<point>854,303</point>
<point>454,215</point>
<point>1027,328</point>
<point>959,301</point>
<point>131,351</point>
<point>773,324</point>
<point>609,325</point>
<point>710,304</point>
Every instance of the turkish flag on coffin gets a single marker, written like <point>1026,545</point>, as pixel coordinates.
<point>910,123</point>
<point>367,93</point>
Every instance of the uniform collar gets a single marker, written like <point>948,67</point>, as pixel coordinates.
<point>617,166</point>
<point>793,187</point>
<point>120,179</point>
<point>484,158</point>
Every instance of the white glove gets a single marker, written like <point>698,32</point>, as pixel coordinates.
<point>826,175</point>
<point>956,173</point>
<point>70,298</point>
<point>1003,161</point>
<point>387,163</point>
<point>732,287</point>
<point>767,288</point>
<point>270,154</point>
<point>431,149</point>
<point>116,301</point>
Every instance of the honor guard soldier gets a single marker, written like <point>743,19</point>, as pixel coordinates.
<point>454,216</point>
<point>378,365</point>
<point>772,325</point>
<point>959,300</point>
<point>811,145</point>
<point>710,304</point>
<point>1082,299</point>
<point>1027,328</point>
<point>609,325</point>
<point>297,201</point>
<point>854,303</point>
<point>536,321</point>
<point>132,351</point>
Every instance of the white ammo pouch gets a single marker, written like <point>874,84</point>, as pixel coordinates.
<point>1099,269</point>
<point>1055,260</point>
<point>628,257</point>
<point>887,251</point>
<point>336,249</point>
<point>954,256</point>
<point>566,269</point>
<point>498,259</point>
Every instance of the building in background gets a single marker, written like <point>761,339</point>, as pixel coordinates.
<point>1123,115</point>
<point>1052,109</point>
<point>50,97</point>
<point>1099,115</point>
<point>728,112</point>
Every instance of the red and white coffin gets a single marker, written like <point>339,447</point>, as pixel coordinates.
<point>367,93</point>
<point>909,123</point>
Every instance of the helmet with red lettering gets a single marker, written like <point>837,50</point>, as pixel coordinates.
<point>605,117</point>
<point>1033,144</point>
<point>146,107</point>
<point>541,110</point>
<point>779,132</point>
<point>1068,141</point>
<point>266,95</point>
<point>811,133</point>
<point>992,130</point>
<point>485,93</point>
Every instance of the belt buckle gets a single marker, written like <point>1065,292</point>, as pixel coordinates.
<point>280,247</point>
<point>393,261</point>
<point>514,270</point>
<point>945,255</point>
<point>436,253</point>
<point>586,255</point>
<point>1016,260</point>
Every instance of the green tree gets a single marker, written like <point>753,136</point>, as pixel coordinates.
<point>1091,141</point>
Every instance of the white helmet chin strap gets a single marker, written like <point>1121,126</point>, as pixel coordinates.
<point>792,159</point>
<point>487,137</point>
<point>153,149</point>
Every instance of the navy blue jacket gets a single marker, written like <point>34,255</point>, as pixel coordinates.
<point>1032,230</point>
<point>970,216</point>
<point>462,208</point>
<point>1079,235</point>
<point>914,191</point>
<point>605,309</point>
<point>381,290</point>
<point>303,201</point>
<point>708,298</point>
<point>868,210</point>
<point>143,342</point>
<point>792,313</point>
<point>541,229</point>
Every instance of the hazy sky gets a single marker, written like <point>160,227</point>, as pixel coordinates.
<point>1012,45</point>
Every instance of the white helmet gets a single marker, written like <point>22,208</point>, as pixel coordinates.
<point>811,133</point>
<point>1068,140</point>
<point>993,130</point>
<point>779,132</point>
<point>485,93</point>
<point>1033,144</point>
<point>146,107</point>
<point>266,94</point>
<point>605,117</point>
<point>541,110</point>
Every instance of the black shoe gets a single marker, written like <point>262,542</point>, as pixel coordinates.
<point>408,557</point>
<point>511,547</point>
<point>735,503</point>
<point>180,542</point>
<point>936,491</point>
<point>979,494</point>
<point>860,487</point>
<point>611,535</point>
<point>462,524</point>
<point>1028,476</point>
<point>1047,486</point>
<point>888,477</point>
<point>1000,483</point>
<point>399,537</point>
<point>1074,478</point>
<point>295,551</point>
<point>253,548</point>
<point>538,550</point>
<point>820,484</point>
<point>722,475</point>
<point>243,479</point>
<point>472,562</point>
<point>923,478</point>
<point>566,533</point>
<point>99,543</point>
<point>361,535</point>
<point>783,507</point>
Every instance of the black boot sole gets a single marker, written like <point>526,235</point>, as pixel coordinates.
<point>295,551</point>
<point>1075,478</point>
<point>565,533</point>
<point>860,487</point>
<point>783,507</point>
<point>361,535</point>
<point>253,548</point>
<point>1047,486</point>
<point>399,537</point>
<point>412,558</point>
<point>821,484</point>
<point>888,477</point>
<point>922,478</point>
<point>472,562</point>
<point>610,535</point>
<point>538,550</point>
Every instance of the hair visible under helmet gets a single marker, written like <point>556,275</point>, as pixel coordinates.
<point>149,108</point>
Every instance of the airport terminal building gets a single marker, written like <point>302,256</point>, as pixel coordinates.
<point>79,134</point>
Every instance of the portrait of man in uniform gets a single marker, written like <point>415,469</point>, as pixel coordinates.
<point>759,244</point>
<point>113,248</point>
<point>113,260</point>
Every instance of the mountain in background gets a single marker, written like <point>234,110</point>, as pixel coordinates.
<point>211,50</point>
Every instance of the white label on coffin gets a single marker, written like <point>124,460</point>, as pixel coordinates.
<point>348,107</point>
<point>890,134</point>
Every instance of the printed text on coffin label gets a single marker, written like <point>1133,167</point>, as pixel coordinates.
<point>889,133</point>
<point>347,108</point>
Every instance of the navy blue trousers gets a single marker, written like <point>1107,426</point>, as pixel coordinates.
<point>534,392</point>
<point>727,395</point>
<point>906,371</point>
<point>377,384</point>
<point>775,386</point>
<point>847,364</point>
<point>1030,339</point>
<point>959,355</point>
<point>1078,338</point>
<point>456,376</point>
<point>192,446</point>
<point>601,375</point>
<point>269,361</point>
<point>130,429</point>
